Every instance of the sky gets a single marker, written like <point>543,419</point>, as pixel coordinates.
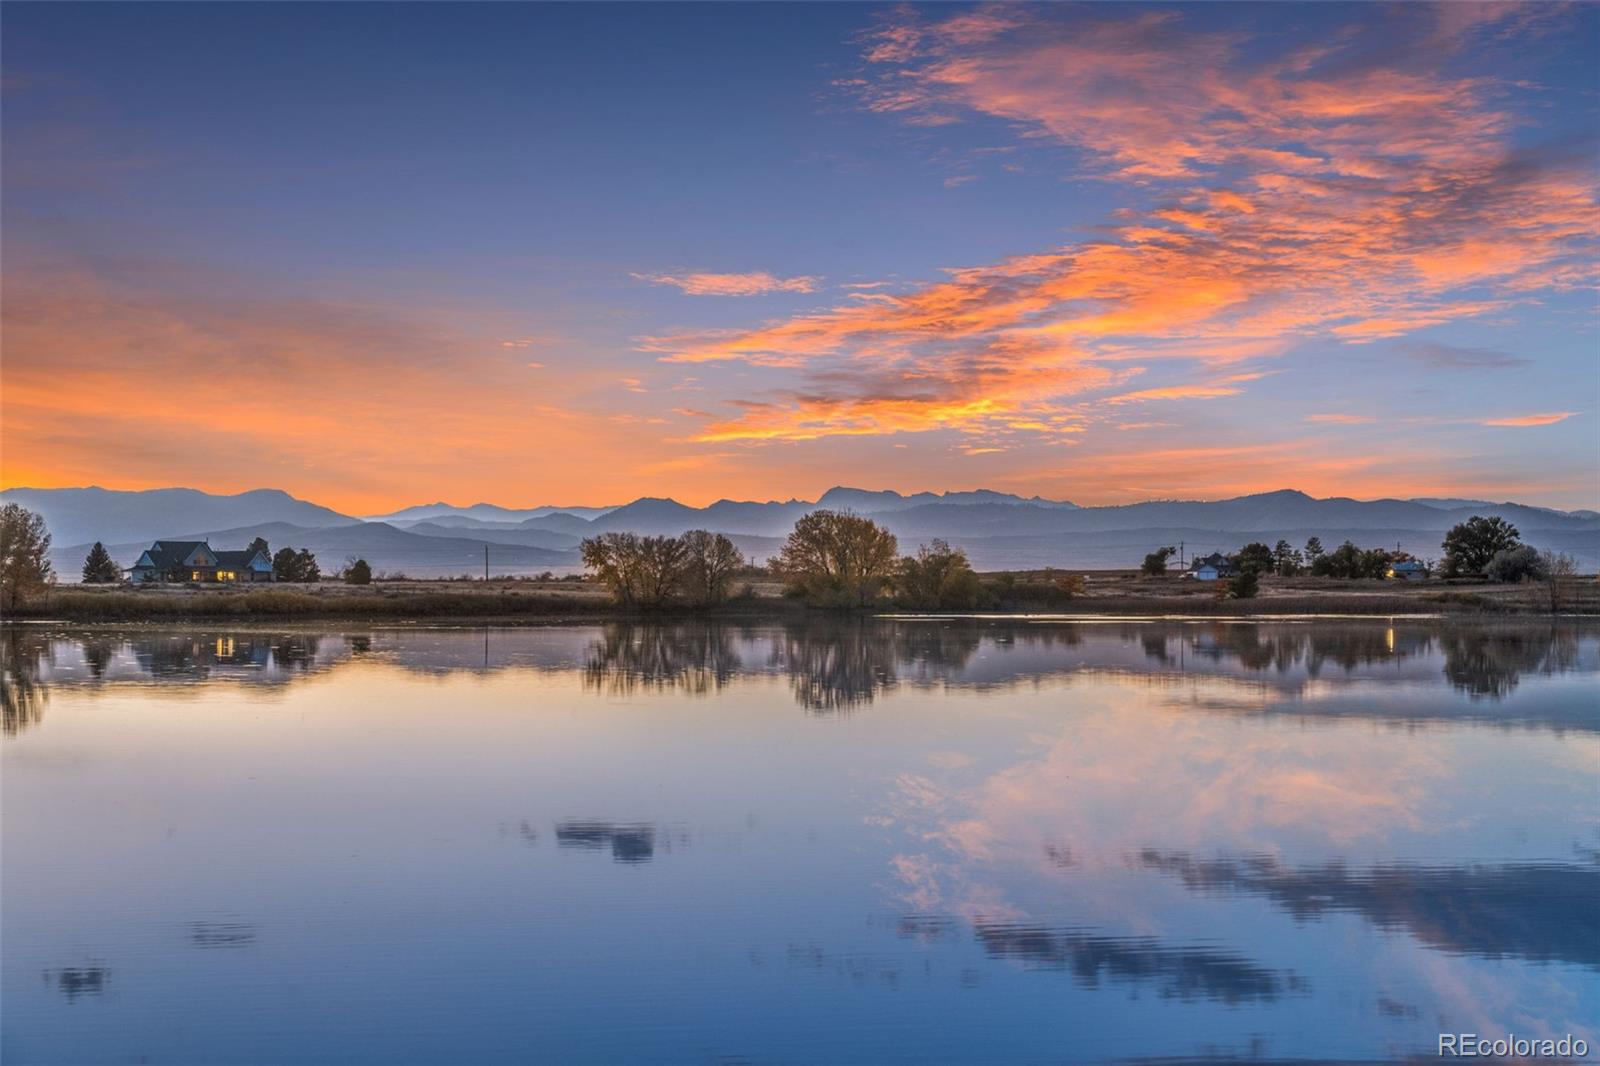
<point>379,255</point>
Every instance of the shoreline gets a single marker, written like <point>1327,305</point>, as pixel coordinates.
<point>508,606</point>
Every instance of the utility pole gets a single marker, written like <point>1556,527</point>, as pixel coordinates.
<point>1181,563</point>
<point>486,562</point>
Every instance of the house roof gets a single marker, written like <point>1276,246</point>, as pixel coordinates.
<point>165,554</point>
<point>1215,559</point>
<point>237,560</point>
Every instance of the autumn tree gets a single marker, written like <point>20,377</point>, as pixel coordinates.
<point>662,569</point>
<point>1469,546</point>
<point>638,571</point>
<point>938,577</point>
<point>711,561</point>
<point>837,559</point>
<point>99,568</point>
<point>614,559</point>
<point>24,555</point>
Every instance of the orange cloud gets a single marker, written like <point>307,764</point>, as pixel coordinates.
<point>1296,196</point>
<point>757,283</point>
<point>1531,420</point>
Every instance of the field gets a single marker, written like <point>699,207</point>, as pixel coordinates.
<point>1106,592</point>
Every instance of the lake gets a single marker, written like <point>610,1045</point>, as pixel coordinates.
<point>914,840</point>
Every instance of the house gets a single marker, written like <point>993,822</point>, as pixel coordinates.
<point>196,560</point>
<point>1408,570</point>
<point>1212,567</point>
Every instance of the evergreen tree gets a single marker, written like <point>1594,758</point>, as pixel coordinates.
<point>99,568</point>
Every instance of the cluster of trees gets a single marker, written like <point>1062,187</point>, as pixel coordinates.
<point>938,577</point>
<point>291,565</point>
<point>696,568</point>
<point>833,559</point>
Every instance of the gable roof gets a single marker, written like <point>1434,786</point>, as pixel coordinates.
<point>241,559</point>
<point>166,554</point>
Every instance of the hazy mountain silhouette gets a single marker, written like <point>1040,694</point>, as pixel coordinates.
<point>998,530</point>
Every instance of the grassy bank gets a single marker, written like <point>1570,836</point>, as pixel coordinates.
<point>511,602</point>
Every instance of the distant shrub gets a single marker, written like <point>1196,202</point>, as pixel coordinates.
<point>358,573</point>
<point>1244,585</point>
<point>1155,563</point>
<point>1522,563</point>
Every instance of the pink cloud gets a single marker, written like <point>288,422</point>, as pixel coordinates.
<point>756,283</point>
<point>1531,420</point>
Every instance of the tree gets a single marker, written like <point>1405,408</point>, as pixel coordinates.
<point>1256,557</point>
<point>837,559</point>
<point>99,568</point>
<point>284,565</point>
<point>1511,565</point>
<point>259,545</point>
<point>643,571</point>
<point>358,573</point>
<point>662,569</point>
<point>24,555</point>
<point>1469,546</point>
<point>291,565</point>
<point>1559,568</point>
<point>1285,560</point>
<point>712,560</point>
<point>614,558</point>
<point>1244,585</point>
<point>1313,551</point>
<point>1350,561</point>
<point>1155,564</point>
<point>938,577</point>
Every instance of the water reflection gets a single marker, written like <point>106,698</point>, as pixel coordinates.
<point>1174,972</point>
<point>834,666</point>
<point>1013,840</point>
<point>221,934</point>
<point>1538,911</point>
<point>22,698</point>
<point>696,657</point>
<point>634,843</point>
<point>75,982</point>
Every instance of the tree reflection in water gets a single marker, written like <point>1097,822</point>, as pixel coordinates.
<point>22,696</point>
<point>837,664</point>
<point>697,657</point>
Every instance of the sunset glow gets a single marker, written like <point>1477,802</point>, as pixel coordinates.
<point>1102,253</point>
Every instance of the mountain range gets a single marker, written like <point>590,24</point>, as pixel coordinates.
<point>998,530</point>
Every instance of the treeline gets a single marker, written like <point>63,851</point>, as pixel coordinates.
<point>697,568</point>
<point>830,559</point>
<point>1479,547</point>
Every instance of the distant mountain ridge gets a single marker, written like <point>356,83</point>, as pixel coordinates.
<point>998,530</point>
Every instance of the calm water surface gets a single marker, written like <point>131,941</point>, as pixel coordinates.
<point>914,841</point>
